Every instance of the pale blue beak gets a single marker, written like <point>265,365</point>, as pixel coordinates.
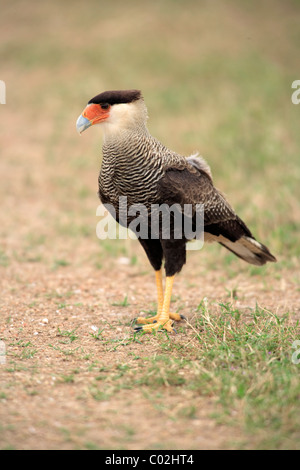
<point>82,124</point>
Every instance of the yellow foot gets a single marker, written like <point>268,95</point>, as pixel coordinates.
<point>147,320</point>
<point>156,326</point>
<point>155,318</point>
<point>163,319</point>
<point>177,316</point>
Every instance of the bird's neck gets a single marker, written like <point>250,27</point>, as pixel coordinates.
<point>121,135</point>
<point>125,148</point>
<point>125,121</point>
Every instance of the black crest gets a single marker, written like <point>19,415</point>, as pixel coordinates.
<point>116,97</point>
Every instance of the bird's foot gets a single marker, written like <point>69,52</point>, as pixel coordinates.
<point>144,321</point>
<point>155,318</point>
<point>164,319</point>
<point>157,325</point>
<point>177,316</point>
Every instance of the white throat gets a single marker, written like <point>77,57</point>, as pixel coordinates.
<point>124,118</point>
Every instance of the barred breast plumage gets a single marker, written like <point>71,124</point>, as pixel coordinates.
<point>132,165</point>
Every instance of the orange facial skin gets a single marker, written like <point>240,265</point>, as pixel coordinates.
<point>95,113</point>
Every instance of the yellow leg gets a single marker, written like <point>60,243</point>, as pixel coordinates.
<point>163,318</point>
<point>160,300</point>
<point>160,291</point>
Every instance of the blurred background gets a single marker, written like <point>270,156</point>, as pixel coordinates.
<point>216,77</point>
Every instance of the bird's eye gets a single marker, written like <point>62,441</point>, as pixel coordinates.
<point>105,106</point>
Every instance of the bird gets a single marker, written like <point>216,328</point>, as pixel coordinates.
<point>138,168</point>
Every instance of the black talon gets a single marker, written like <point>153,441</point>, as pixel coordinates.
<point>138,328</point>
<point>183,317</point>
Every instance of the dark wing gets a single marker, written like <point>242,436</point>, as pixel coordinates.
<point>191,185</point>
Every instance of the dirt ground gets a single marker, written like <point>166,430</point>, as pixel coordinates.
<point>49,399</point>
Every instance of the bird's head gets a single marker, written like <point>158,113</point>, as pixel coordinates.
<point>115,110</point>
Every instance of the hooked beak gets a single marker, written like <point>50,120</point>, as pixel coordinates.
<point>92,114</point>
<point>82,124</point>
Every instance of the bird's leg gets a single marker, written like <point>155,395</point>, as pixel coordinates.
<point>160,300</point>
<point>163,319</point>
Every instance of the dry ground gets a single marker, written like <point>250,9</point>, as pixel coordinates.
<point>75,376</point>
<point>52,397</point>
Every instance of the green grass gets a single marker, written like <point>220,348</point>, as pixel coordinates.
<point>68,334</point>
<point>248,358</point>
<point>24,349</point>
<point>241,360</point>
<point>122,303</point>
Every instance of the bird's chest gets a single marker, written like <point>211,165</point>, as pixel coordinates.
<point>138,184</point>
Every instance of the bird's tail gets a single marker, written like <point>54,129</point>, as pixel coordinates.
<point>249,250</point>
